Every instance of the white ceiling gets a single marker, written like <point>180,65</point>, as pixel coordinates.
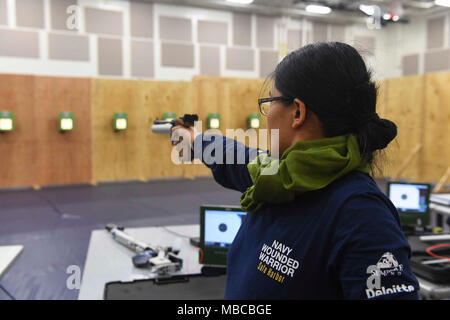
<point>343,10</point>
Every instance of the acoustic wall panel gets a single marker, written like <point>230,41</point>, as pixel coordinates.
<point>435,33</point>
<point>142,59</point>
<point>265,31</point>
<point>242,29</point>
<point>240,59</point>
<point>141,19</point>
<point>103,21</point>
<point>410,64</point>
<point>320,33</point>
<point>24,44</point>
<point>30,13</point>
<point>268,61</point>
<point>68,47</point>
<point>337,32</point>
<point>3,13</point>
<point>365,45</point>
<point>173,28</point>
<point>109,57</point>
<point>210,61</point>
<point>437,61</point>
<point>59,15</point>
<point>177,55</point>
<point>294,38</point>
<point>212,32</point>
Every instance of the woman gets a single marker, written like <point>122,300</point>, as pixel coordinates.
<point>319,228</point>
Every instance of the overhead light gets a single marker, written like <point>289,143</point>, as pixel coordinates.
<point>120,121</point>
<point>313,8</point>
<point>241,1</point>
<point>387,16</point>
<point>444,3</point>
<point>369,10</point>
<point>66,121</point>
<point>6,121</point>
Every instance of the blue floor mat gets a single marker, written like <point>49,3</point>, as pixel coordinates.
<point>54,224</point>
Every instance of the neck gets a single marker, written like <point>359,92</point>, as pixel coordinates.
<point>306,135</point>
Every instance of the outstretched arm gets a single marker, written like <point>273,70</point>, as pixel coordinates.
<point>227,159</point>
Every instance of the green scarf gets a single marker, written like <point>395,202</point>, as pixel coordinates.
<point>304,166</point>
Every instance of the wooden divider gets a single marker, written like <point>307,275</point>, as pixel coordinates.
<point>116,155</point>
<point>436,133</point>
<point>233,99</point>
<point>62,158</point>
<point>37,154</point>
<point>156,98</point>
<point>19,148</point>
<point>212,97</point>
<point>381,99</point>
<point>405,105</point>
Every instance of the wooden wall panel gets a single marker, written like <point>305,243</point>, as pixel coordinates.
<point>244,94</point>
<point>158,97</point>
<point>383,167</point>
<point>381,99</point>
<point>436,151</point>
<point>18,148</point>
<point>404,99</point>
<point>37,154</point>
<point>116,155</point>
<point>233,98</point>
<point>212,97</point>
<point>62,157</point>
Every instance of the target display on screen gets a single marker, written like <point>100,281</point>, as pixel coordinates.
<point>221,227</point>
<point>409,197</point>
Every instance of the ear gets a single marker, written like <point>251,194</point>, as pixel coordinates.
<point>299,113</point>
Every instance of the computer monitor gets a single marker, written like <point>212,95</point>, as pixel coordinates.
<point>412,202</point>
<point>218,228</point>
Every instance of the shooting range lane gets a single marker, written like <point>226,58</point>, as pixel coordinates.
<point>156,98</point>
<point>407,98</point>
<point>18,166</point>
<point>436,153</point>
<point>62,158</point>
<point>419,107</point>
<point>116,155</point>
<point>37,154</point>
<point>55,224</point>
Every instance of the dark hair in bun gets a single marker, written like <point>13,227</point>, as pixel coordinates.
<point>332,79</point>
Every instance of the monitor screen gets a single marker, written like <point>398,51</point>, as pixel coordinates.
<point>409,197</point>
<point>221,226</point>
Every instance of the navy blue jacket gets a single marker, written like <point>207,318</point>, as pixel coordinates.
<point>341,242</point>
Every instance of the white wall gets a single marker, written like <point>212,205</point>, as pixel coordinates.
<point>391,43</point>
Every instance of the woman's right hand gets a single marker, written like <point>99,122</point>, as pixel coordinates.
<point>184,133</point>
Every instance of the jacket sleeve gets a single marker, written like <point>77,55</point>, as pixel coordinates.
<point>371,256</point>
<point>227,159</point>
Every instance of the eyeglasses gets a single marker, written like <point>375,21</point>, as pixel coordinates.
<point>264,103</point>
